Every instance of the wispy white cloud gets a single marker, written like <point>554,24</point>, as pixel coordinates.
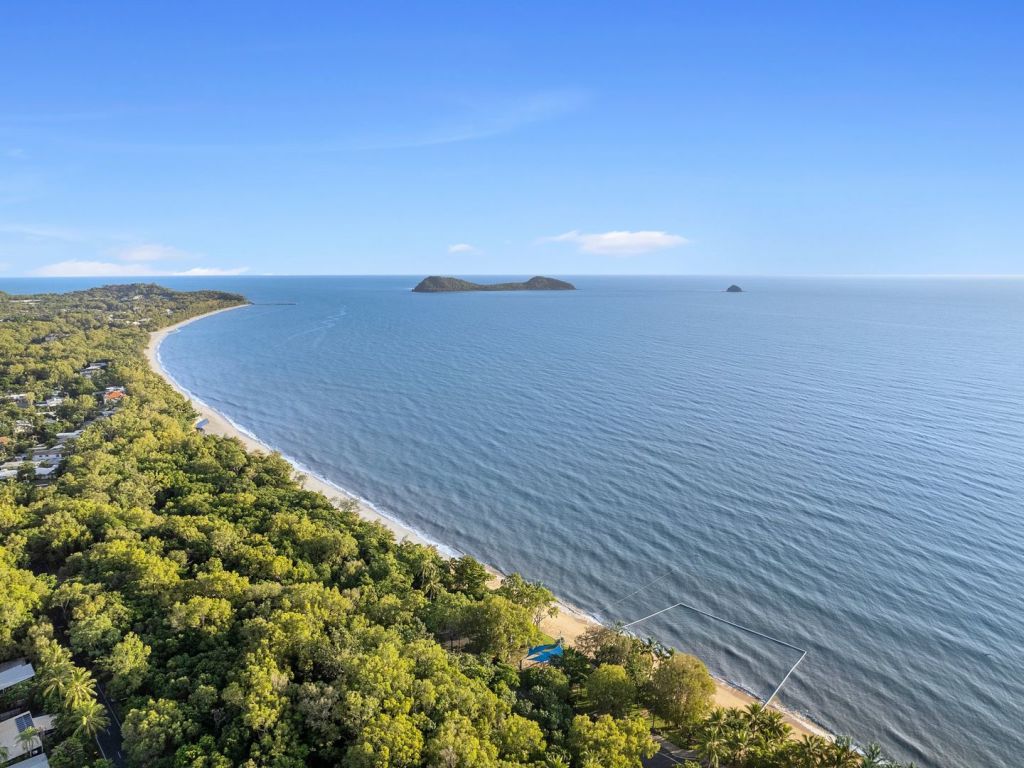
<point>462,248</point>
<point>211,271</point>
<point>75,252</point>
<point>452,119</point>
<point>86,268</point>
<point>619,242</point>
<point>470,119</point>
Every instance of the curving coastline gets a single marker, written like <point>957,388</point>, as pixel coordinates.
<point>570,621</point>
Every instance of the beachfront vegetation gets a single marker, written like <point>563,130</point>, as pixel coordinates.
<point>231,618</point>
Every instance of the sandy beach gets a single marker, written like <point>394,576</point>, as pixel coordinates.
<point>570,622</point>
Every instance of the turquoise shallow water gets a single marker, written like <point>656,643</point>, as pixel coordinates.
<point>838,463</point>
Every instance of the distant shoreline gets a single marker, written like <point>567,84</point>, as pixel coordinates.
<point>570,622</point>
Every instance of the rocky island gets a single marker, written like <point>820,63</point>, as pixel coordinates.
<point>437,284</point>
<point>734,289</point>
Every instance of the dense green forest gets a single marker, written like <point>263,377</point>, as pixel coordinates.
<point>175,591</point>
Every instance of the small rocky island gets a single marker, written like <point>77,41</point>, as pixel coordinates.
<point>436,284</point>
<point>734,289</point>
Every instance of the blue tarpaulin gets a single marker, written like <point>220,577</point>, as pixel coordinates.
<point>542,654</point>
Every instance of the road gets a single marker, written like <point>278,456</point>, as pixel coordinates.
<point>668,756</point>
<point>110,740</point>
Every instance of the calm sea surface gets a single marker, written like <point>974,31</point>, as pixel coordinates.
<point>836,463</point>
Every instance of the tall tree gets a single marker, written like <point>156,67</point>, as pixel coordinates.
<point>80,688</point>
<point>89,718</point>
<point>682,690</point>
<point>610,690</point>
<point>610,743</point>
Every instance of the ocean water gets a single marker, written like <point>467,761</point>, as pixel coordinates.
<point>835,463</point>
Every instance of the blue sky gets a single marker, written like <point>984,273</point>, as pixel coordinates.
<point>474,138</point>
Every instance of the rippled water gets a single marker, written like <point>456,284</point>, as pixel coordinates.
<point>836,463</point>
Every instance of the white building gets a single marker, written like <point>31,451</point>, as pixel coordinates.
<point>42,453</point>
<point>14,672</point>
<point>12,727</point>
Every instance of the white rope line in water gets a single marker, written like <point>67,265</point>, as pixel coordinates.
<point>651,583</point>
<point>740,627</point>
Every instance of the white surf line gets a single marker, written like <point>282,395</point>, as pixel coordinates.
<point>775,693</point>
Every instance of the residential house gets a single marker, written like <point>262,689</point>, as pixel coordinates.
<point>116,396</point>
<point>52,401</point>
<point>93,368</point>
<point>9,469</point>
<point>36,761</point>
<point>13,727</point>
<point>11,673</point>
<point>42,453</point>
<point>15,671</point>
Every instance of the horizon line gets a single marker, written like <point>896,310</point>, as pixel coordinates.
<point>848,276</point>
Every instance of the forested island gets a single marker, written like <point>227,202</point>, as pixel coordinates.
<point>437,284</point>
<point>174,601</point>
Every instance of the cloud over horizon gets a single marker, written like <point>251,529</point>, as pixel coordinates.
<point>86,268</point>
<point>463,248</point>
<point>619,242</point>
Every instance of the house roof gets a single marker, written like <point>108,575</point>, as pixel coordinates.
<point>36,761</point>
<point>14,672</point>
<point>9,730</point>
<point>115,395</point>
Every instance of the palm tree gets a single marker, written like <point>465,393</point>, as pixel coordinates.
<point>429,575</point>
<point>28,738</point>
<point>810,751</point>
<point>843,754</point>
<point>873,757</point>
<point>56,678</point>
<point>756,712</point>
<point>717,720</point>
<point>771,728</point>
<point>80,688</point>
<point>712,747</point>
<point>735,718</point>
<point>89,718</point>
<point>737,743</point>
